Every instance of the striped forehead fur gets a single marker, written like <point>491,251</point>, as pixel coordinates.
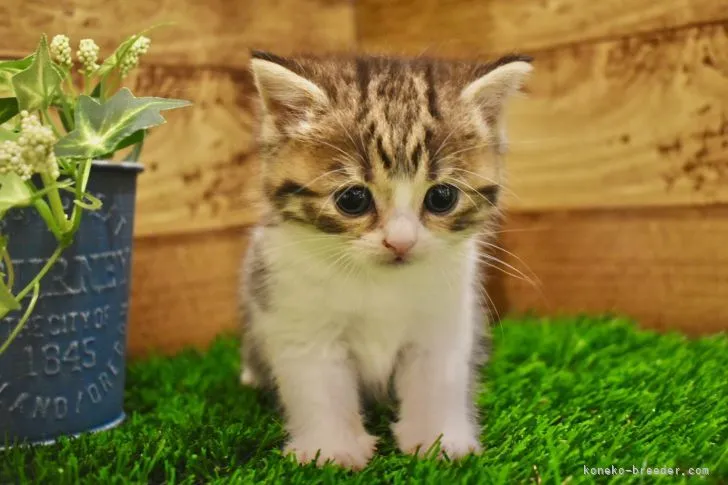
<point>388,119</point>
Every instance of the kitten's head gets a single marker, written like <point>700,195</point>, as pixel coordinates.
<point>398,160</point>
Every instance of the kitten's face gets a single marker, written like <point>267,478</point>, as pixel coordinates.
<point>395,162</point>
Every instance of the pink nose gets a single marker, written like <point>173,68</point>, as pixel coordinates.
<point>400,247</point>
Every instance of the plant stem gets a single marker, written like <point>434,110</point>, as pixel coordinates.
<point>67,115</point>
<point>80,189</point>
<point>44,211</point>
<point>45,116</point>
<point>69,81</point>
<point>136,151</point>
<point>46,267</point>
<point>35,286</point>
<point>26,315</point>
<point>88,86</point>
<point>9,269</point>
<point>54,198</point>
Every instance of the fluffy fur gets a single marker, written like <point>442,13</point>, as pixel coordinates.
<point>330,312</point>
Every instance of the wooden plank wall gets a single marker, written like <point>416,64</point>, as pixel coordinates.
<point>619,160</point>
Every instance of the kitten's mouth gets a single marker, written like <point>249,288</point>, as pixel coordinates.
<point>398,261</point>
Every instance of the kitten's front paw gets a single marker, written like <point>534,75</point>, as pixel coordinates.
<point>248,377</point>
<point>352,453</point>
<point>456,443</point>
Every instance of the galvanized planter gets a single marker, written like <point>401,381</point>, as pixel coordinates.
<point>64,374</point>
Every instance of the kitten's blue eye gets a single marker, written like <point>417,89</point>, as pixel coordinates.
<point>441,198</point>
<point>354,201</point>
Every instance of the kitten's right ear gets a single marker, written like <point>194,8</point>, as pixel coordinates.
<point>286,95</point>
<point>490,92</point>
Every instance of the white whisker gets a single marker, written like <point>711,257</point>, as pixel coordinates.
<point>456,181</point>
<point>330,172</point>
<point>351,139</point>
<point>487,179</point>
<point>330,197</point>
<point>518,274</point>
<point>468,148</point>
<point>470,187</point>
<point>314,141</point>
<point>300,241</point>
<point>509,253</point>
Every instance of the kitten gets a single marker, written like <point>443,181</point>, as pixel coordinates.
<point>380,177</point>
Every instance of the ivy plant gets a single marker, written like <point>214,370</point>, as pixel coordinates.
<point>57,115</point>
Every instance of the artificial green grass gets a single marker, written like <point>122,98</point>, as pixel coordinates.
<point>561,394</point>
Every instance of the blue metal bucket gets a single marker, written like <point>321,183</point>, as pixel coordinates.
<point>64,374</point>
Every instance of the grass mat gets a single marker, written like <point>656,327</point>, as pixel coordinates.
<point>561,394</point>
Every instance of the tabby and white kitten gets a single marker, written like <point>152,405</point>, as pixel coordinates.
<point>380,177</point>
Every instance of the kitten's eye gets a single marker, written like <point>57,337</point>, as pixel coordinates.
<point>354,201</point>
<point>441,198</point>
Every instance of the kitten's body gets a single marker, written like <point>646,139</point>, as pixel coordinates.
<point>330,311</point>
<point>369,314</point>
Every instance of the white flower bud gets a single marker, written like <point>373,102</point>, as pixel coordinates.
<point>88,54</point>
<point>131,59</point>
<point>141,45</point>
<point>61,50</point>
<point>32,152</point>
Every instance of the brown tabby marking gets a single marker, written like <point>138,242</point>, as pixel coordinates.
<point>390,119</point>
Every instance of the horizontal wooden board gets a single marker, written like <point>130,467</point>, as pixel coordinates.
<point>462,28</point>
<point>667,268</point>
<point>201,166</point>
<point>637,122</point>
<point>641,121</point>
<point>184,290</point>
<point>215,32</point>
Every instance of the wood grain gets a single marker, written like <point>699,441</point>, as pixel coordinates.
<point>618,165</point>
<point>666,268</point>
<point>215,32</point>
<point>630,123</point>
<point>184,290</point>
<point>641,121</point>
<point>201,166</point>
<point>201,170</point>
<point>462,28</point>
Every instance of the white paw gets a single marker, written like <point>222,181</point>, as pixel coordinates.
<point>456,447</point>
<point>353,453</point>
<point>455,443</point>
<point>248,377</point>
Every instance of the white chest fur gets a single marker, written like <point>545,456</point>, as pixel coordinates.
<point>321,304</point>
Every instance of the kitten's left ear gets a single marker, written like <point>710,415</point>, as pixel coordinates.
<point>286,95</point>
<point>490,92</point>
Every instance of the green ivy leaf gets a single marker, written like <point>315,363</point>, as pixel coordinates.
<point>102,127</point>
<point>8,69</point>
<point>7,135</point>
<point>7,301</point>
<point>37,85</point>
<point>8,109</point>
<point>13,192</point>
<point>133,139</point>
<point>14,66</point>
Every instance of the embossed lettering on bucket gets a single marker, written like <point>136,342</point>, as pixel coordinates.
<point>64,374</point>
